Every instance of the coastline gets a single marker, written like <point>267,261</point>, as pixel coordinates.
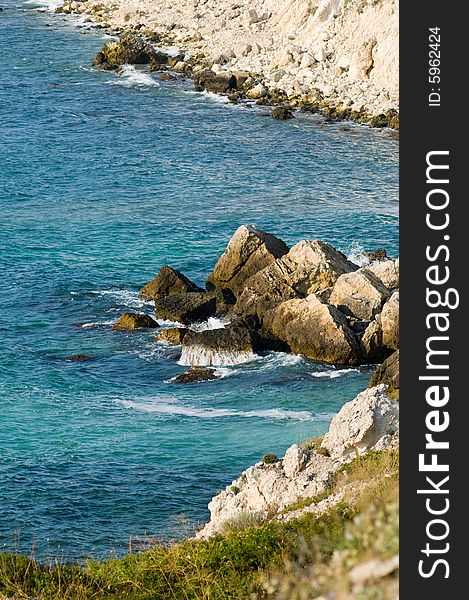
<point>304,56</point>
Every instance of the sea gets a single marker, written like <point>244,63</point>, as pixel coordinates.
<point>104,178</point>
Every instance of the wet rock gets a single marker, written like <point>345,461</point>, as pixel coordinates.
<point>316,330</point>
<point>129,321</point>
<point>378,254</point>
<point>387,373</point>
<point>167,77</point>
<point>173,335</point>
<point>129,49</point>
<point>248,251</point>
<point>235,344</point>
<point>196,375</point>
<point>168,281</point>
<point>79,358</point>
<point>282,113</point>
<point>359,294</point>
<point>219,83</point>
<point>369,422</point>
<point>186,308</point>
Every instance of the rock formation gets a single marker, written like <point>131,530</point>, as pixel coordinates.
<point>129,321</point>
<point>166,283</point>
<point>369,422</point>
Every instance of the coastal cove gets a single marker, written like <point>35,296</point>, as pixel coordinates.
<point>106,178</point>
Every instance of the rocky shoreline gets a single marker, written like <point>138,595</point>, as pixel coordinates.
<point>309,300</point>
<point>319,69</point>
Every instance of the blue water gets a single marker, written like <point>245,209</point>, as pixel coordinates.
<point>104,179</point>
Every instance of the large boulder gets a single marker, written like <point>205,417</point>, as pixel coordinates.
<point>129,321</point>
<point>369,422</point>
<point>130,49</point>
<point>167,282</point>
<point>359,294</point>
<point>387,373</point>
<point>311,266</point>
<point>186,308</point>
<point>218,83</point>
<point>316,330</point>
<point>248,251</point>
<point>390,322</point>
<point>237,343</point>
<point>387,271</point>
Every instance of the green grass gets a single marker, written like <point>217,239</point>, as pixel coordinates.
<point>242,564</point>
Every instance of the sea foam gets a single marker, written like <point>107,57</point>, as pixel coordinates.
<point>129,76</point>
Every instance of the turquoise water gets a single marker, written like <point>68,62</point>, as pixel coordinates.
<point>103,180</point>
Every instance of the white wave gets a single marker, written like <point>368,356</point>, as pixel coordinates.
<point>332,374</point>
<point>97,324</point>
<point>48,5</point>
<point>124,298</point>
<point>211,323</point>
<point>129,76</point>
<point>198,356</point>
<point>356,255</point>
<point>220,99</point>
<point>274,360</point>
<point>224,372</point>
<point>168,407</point>
<point>168,323</point>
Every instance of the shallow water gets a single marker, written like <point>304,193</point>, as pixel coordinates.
<point>104,179</point>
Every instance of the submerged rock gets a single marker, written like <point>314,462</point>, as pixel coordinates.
<point>79,358</point>
<point>168,281</point>
<point>186,308</point>
<point>173,335</point>
<point>316,330</point>
<point>129,321</point>
<point>248,251</point>
<point>195,375</point>
<point>282,113</point>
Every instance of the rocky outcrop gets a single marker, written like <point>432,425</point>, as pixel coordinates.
<point>129,321</point>
<point>369,422</point>
<point>248,251</point>
<point>359,294</point>
<point>186,308</point>
<point>169,281</point>
<point>219,83</point>
<point>129,49</point>
<point>282,113</point>
<point>311,266</point>
<point>387,271</point>
<point>173,335</point>
<point>316,330</point>
<point>387,373</point>
<point>196,375</point>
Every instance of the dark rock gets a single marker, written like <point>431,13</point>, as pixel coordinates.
<point>129,321</point>
<point>225,300</point>
<point>167,77</point>
<point>219,83</point>
<point>282,113</point>
<point>378,254</point>
<point>167,282</point>
<point>187,307</point>
<point>388,373</point>
<point>79,358</point>
<point>173,335</point>
<point>130,49</point>
<point>195,375</point>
